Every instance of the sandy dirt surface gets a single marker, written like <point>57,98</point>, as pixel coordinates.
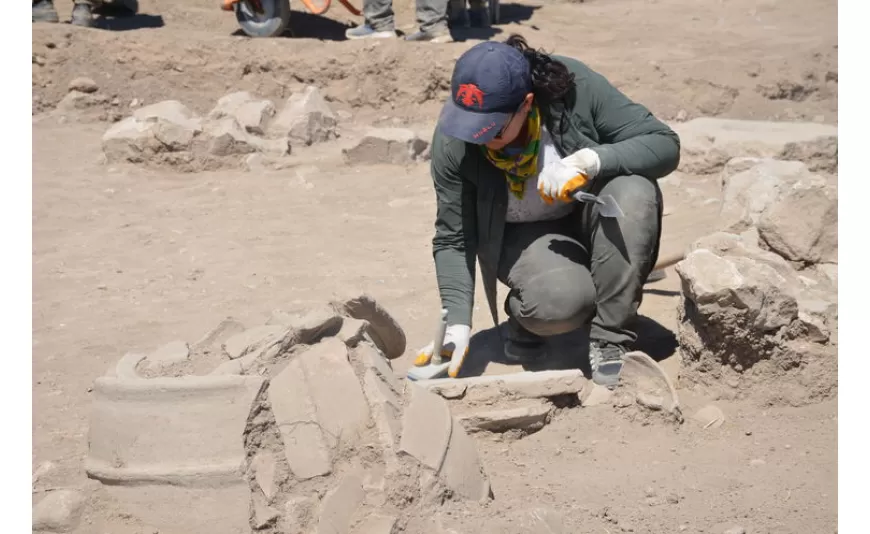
<point>128,258</point>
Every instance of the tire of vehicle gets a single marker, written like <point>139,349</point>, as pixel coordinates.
<point>271,23</point>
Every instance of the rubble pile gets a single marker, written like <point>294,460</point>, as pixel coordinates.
<point>760,298</point>
<point>303,427</point>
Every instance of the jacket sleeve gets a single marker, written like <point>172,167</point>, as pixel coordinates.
<point>632,140</point>
<point>454,246</point>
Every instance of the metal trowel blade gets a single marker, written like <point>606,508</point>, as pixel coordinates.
<point>608,207</point>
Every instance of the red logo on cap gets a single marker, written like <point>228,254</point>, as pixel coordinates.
<point>470,95</point>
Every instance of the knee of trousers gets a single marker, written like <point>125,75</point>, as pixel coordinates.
<point>555,302</point>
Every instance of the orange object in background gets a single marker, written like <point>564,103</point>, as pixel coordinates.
<point>229,5</point>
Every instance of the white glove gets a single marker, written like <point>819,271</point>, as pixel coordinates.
<point>563,177</point>
<point>456,340</point>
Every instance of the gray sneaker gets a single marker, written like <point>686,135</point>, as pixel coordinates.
<point>82,15</point>
<point>367,32</point>
<point>606,361</point>
<point>43,11</point>
<point>431,36</point>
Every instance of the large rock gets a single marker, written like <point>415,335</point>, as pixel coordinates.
<point>167,126</point>
<point>252,114</point>
<point>747,314</point>
<point>708,143</point>
<point>794,209</point>
<point>225,137</point>
<point>306,118</point>
<point>802,225</point>
<point>396,146</point>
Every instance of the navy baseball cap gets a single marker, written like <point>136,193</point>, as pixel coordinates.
<point>490,81</point>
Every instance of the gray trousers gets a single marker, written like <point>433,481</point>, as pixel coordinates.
<point>583,267</point>
<point>431,14</point>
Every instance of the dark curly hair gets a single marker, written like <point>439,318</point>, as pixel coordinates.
<point>551,80</point>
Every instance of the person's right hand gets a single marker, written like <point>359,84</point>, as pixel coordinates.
<point>455,347</point>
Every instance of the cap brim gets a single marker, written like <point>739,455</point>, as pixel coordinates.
<point>471,127</point>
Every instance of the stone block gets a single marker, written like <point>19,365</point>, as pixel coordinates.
<point>396,146</point>
<point>305,447</point>
<point>169,430</point>
<point>339,505</point>
<point>527,418</point>
<point>461,469</point>
<point>426,427</point>
<point>335,391</point>
<point>801,226</point>
<point>251,113</point>
<point>526,384</point>
<point>306,119</point>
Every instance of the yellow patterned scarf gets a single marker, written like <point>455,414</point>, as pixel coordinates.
<point>521,163</point>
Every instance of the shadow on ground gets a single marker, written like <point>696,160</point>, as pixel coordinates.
<point>566,351</point>
<point>516,13</point>
<point>128,22</point>
<point>304,25</point>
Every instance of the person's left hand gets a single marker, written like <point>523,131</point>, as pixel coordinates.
<point>560,179</point>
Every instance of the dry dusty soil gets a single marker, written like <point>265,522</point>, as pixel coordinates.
<point>127,258</point>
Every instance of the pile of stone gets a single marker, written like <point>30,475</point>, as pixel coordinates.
<point>759,309</point>
<point>240,125</point>
<point>245,131</point>
<point>707,143</point>
<point>303,427</point>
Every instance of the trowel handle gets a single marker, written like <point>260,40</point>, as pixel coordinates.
<point>582,196</point>
<point>438,342</point>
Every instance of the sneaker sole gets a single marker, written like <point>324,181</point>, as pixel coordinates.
<point>376,35</point>
<point>48,17</point>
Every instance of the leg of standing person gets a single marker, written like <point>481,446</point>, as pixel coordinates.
<point>380,21</point>
<point>44,11</point>
<point>83,13</point>
<point>432,21</point>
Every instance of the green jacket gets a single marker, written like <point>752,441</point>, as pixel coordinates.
<point>472,193</point>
